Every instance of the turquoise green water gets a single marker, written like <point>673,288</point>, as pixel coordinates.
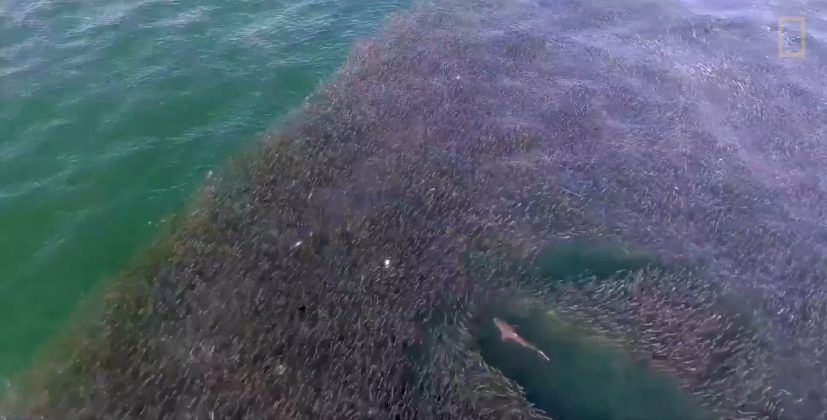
<point>586,377</point>
<point>580,258</point>
<point>111,113</point>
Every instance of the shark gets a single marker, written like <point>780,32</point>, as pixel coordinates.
<point>508,333</point>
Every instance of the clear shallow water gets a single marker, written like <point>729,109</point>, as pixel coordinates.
<point>111,113</point>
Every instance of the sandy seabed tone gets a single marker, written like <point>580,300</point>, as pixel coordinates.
<point>341,273</point>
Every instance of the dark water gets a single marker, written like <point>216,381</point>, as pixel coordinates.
<point>575,259</point>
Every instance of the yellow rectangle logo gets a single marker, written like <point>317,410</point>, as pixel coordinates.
<point>791,19</point>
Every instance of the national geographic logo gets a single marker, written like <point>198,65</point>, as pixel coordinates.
<point>791,21</point>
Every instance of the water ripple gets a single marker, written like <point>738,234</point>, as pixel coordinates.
<point>113,111</point>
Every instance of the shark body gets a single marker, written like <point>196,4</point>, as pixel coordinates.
<point>508,333</point>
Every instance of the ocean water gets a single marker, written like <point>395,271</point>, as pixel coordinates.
<point>585,378</point>
<point>674,126</point>
<point>111,114</point>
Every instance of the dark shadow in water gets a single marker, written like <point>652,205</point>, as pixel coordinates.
<point>580,258</point>
<point>586,379</point>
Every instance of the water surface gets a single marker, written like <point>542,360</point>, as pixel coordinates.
<point>113,111</point>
